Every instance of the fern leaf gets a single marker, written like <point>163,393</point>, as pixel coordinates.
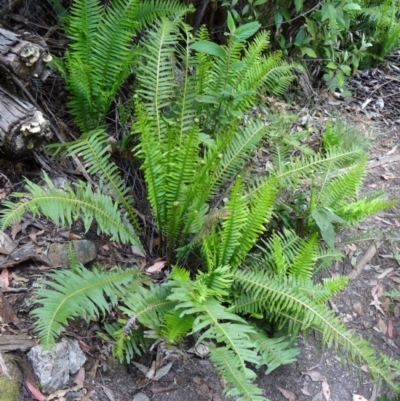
<point>80,292</point>
<point>93,147</point>
<point>227,366</point>
<point>283,296</point>
<point>274,351</point>
<point>63,207</point>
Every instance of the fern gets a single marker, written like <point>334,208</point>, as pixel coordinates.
<point>79,292</point>
<point>64,206</point>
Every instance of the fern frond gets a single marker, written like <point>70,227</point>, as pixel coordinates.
<point>78,292</point>
<point>177,326</point>
<point>274,352</point>
<point>260,211</point>
<point>283,296</point>
<point>93,147</point>
<point>127,345</point>
<point>65,206</point>
<point>148,306</point>
<point>228,366</point>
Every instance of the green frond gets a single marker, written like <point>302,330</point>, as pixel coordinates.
<point>357,211</point>
<point>228,367</point>
<point>304,261</point>
<point>283,297</point>
<point>285,169</point>
<point>127,345</point>
<point>79,292</point>
<point>177,326</point>
<point>259,214</point>
<point>274,352</point>
<point>94,147</point>
<point>232,224</point>
<point>65,206</point>
<point>148,306</point>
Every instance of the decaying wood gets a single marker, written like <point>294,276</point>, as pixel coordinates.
<point>16,342</point>
<point>24,254</point>
<point>22,127</point>
<point>7,313</point>
<point>24,55</point>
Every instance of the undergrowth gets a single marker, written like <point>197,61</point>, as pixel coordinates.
<point>195,135</point>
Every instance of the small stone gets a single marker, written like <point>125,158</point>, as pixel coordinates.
<point>54,367</point>
<point>85,252</point>
<point>140,397</point>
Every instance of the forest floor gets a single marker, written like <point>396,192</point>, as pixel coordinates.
<point>373,265</point>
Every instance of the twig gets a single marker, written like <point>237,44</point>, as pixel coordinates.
<point>371,251</point>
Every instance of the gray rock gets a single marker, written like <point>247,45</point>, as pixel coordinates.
<point>54,367</point>
<point>140,397</point>
<point>85,252</point>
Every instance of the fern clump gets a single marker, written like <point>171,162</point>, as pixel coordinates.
<point>194,137</point>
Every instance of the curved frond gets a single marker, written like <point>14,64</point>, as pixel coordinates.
<point>78,292</point>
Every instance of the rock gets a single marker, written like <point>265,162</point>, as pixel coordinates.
<point>140,397</point>
<point>54,367</point>
<point>10,386</point>
<point>85,252</point>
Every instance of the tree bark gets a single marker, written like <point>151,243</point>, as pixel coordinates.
<point>22,127</point>
<point>24,55</point>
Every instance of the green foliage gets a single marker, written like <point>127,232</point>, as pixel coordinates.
<point>100,53</point>
<point>194,134</point>
<point>80,292</point>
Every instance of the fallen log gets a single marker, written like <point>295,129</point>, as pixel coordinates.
<point>22,127</point>
<point>24,55</point>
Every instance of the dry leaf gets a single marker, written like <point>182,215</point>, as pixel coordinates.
<point>105,247</point>
<point>144,369</point>
<point>390,328</point>
<point>357,397</point>
<point>287,394</point>
<point>357,307</point>
<point>35,391</point>
<point>386,304</point>
<point>80,377</point>
<point>315,376</point>
<point>305,391</point>
<point>4,281</point>
<point>15,229</point>
<point>162,371</point>
<point>377,290</point>
<point>382,326</point>
<point>377,304</point>
<point>156,267</point>
<point>326,390</point>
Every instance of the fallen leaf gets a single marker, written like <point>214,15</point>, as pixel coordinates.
<point>287,394</point>
<point>377,290</point>
<point>305,391</point>
<point>35,391</point>
<point>162,371</point>
<point>388,177</point>
<point>357,307</point>
<point>386,304</point>
<point>357,397</point>
<point>156,267</point>
<point>377,304</point>
<point>80,376</point>
<point>4,281</point>
<point>106,247</point>
<point>108,392</point>
<point>326,390</point>
<point>315,376</point>
<point>15,229</point>
<point>382,326</point>
<point>390,330</point>
<point>144,369</point>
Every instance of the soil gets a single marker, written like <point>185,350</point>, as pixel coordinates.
<point>192,378</point>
